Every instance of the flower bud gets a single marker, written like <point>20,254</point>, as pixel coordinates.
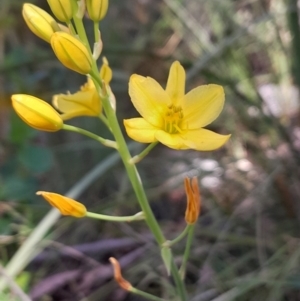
<point>97,9</point>
<point>71,52</point>
<point>193,200</point>
<point>39,21</point>
<point>62,9</point>
<point>65,205</point>
<point>36,113</point>
<point>105,71</point>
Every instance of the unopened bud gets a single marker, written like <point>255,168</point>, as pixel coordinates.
<point>71,52</point>
<point>36,113</point>
<point>97,9</point>
<point>62,9</point>
<point>65,205</point>
<point>39,21</point>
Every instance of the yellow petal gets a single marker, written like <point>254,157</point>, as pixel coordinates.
<point>203,140</point>
<point>65,205</point>
<point>82,103</point>
<point>140,130</point>
<point>176,83</point>
<point>37,113</point>
<point>171,140</point>
<point>149,98</point>
<point>202,105</point>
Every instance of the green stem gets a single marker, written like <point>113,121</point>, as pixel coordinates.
<point>143,154</point>
<point>170,243</point>
<point>96,32</point>
<point>144,294</point>
<point>187,250</point>
<point>135,180</point>
<point>105,142</point>
<point>104,120</point>
<point>71,28</point>
<point>131,218</point>
<point>178,281</point>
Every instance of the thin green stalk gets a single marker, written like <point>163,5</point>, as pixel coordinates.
<point>144,153</point>
<point>170,243</point>
<point>104,120</point>
<point>144,294</point>
<point>136,182</point>
<point>187,250</point>
<point>96,32</point>
<point>103,141</point>
<point>137,217</point>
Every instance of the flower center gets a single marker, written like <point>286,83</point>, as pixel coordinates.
<point>173,119</point>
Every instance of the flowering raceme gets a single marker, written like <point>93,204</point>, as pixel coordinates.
<point>172,117</point>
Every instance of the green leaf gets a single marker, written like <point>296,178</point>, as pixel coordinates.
<point>36,159</point>
<point>20,132</point>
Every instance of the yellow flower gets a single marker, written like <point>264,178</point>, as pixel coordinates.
<point>193,200</point>
<point>39,21</point>
<point>172,117</point>
<point>97,9</point>
<point>62,9</point>
<point>36,113</point>
<point>71,52</point>
<point>65,205</point>
<point>85,102</point>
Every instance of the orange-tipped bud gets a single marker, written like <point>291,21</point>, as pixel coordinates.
<point>118,276</point>
<point>193,200</point>
<point>39,21</point>
<point>71,52</point>
<point>65,205</point>
<point>36,113</point>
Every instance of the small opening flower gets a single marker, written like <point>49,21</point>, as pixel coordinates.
<point>172,117</point>
<point>85,102</point>
<point>193,200</point>
<point>65,205</point>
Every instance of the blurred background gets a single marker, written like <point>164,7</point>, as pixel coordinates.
<point>246,244</point>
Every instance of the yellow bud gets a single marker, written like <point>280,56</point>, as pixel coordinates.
<point>71,52</point>
<point>36,113</point>
<point>62,9</point>
<point>65,205</point>
<point>97,9</point>
<point>39,21</point>
<point>193,200</point>
<point>105,71</point>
